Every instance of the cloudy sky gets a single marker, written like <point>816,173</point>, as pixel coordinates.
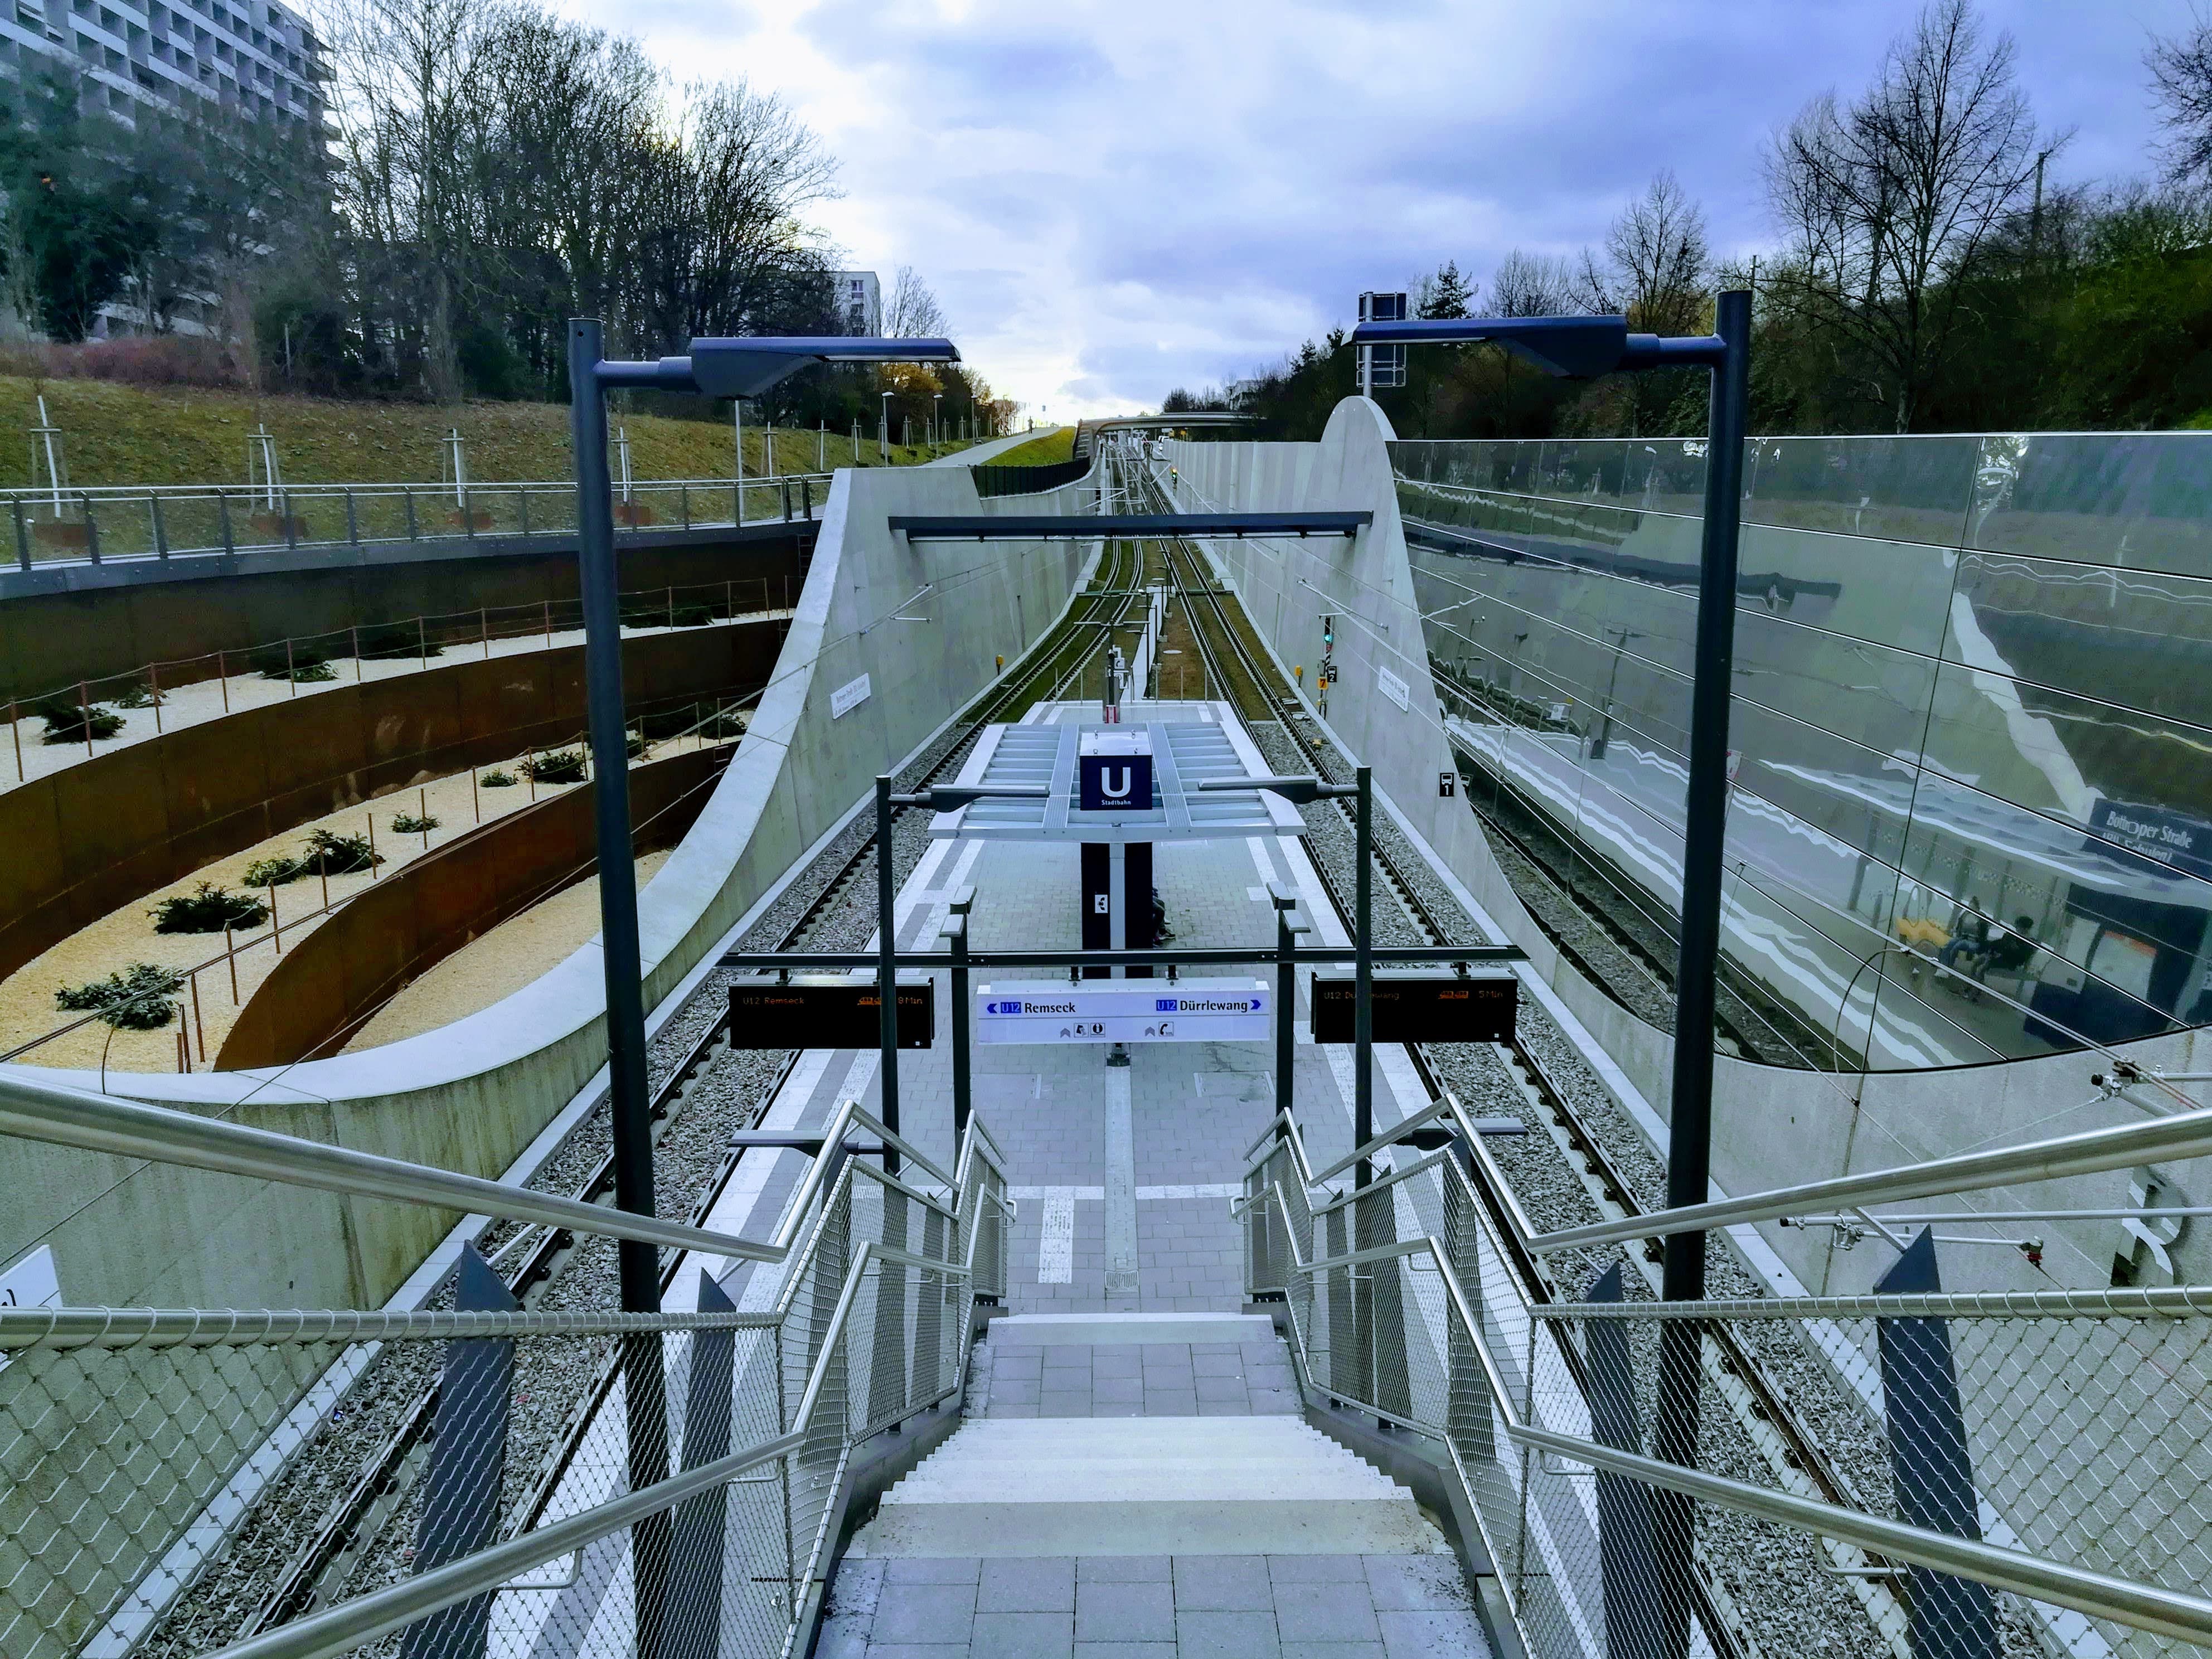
<point>1113,197</point>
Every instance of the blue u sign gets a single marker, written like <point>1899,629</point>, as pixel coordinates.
<point>1107,783</point>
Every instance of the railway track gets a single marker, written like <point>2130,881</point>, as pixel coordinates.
<point>531,1260</point>
<point>1754,1400</point>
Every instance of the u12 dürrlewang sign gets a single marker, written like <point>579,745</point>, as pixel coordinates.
<point>1126,1011</point>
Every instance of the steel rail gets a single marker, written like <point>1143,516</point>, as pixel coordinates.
<point>2183,1135</point>
<point>64,1116</point>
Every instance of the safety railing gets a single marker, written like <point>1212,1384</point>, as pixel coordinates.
<point>1910,1472</point>
<point>549,1508</point>
<point>180,521</point>
<point>157,697</point>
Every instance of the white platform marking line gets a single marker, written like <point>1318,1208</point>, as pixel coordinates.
<point>1121,1185</point>
<point>1056,1249</point>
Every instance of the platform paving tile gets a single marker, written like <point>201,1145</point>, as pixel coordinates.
<point>1187,1607</point>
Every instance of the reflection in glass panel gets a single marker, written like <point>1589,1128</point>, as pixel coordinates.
<point>1973,816</point>
<point>2139,640</point>
<point>1904,489</point>
<point>2141,500</point>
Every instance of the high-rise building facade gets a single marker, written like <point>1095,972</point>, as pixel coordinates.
<point>254,57</point>
<point>860,299</point>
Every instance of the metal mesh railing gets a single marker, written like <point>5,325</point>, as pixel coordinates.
<point>101,526</point>
<point>1929,1476</point>
<point>600,1482</point>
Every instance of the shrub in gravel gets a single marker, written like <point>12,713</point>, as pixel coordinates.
<point>67,718</point>
<point>408,824</point>
<point>555,766</point>
<point>496,779</point>
<point>208,908</point>
<point>301,670</point>
<point>274,871</point>
<point>331,854</point>
<point>136,999</point>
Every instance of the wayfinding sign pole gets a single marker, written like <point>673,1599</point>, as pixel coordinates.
<point>1287,989</point>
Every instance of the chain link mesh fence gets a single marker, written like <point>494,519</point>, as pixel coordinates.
<point>2070,1429</point>
<point>123,1434</point>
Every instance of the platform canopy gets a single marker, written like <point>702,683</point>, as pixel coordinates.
<point>1184,753</point>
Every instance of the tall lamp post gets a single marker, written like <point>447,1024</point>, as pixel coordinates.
<point>936,416</point>
<point>1579,347</point>
<point>883,432</point>
<point>734,368</point>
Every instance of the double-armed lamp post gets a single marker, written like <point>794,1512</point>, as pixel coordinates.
<point>1582,347</point>
<point>732,368</point>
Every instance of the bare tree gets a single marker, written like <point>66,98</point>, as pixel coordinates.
<point>912,313</point>
<point>1656,263</point>
<point>1892,203</point>
<point>1532,285</point>
<point>2181,83</point>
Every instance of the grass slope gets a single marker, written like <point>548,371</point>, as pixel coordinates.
<point>1046,449</point>
<point>120,435</point>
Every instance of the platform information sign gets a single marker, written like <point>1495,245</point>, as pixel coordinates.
<point>1126,1011</point>
<point>1417,1007</point>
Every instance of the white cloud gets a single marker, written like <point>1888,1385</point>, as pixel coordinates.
<point>1115,196</point>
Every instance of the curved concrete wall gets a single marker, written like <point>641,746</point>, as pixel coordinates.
<point>113,827</point>
<point>330,984</point>
<point>1771,1127</point>
<point>471,1096</point>
<point>115,618</point>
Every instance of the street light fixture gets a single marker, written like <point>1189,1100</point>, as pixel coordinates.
<point>1580,347</point>
<point>715,368</point>
<point>883,432</point>
<point>936,416</point>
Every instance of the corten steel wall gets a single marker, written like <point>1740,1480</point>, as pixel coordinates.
<point>330,984</point>
<point>171,614</point>
<point>92,837</point>
<point>471,1095</point>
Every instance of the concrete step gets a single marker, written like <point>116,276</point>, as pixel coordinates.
<point>1098,1330</point>
<point>1265,1485</point>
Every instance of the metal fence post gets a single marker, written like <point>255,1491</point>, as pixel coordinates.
<point>91,531</point>
<point>698,1533</point>
<point>222,516</point>
<point>956,931</point>
<point>468,1456</point>
<point>806,498</point>
<point>413,530</point>
<point>22,535</point>
<point>291,522</point>
<point>783,488</point>
<point>1626,1566</point>
<point>683,504</point>
<point>353,520</point>
<point>1929,1461</point>
<point>161,531</point>
<point>522,508</point>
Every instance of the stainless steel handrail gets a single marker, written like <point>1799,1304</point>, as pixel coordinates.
<point>2183,1135</point>
<point>209,1328</point>
<point>2125,1602</point>
<point>64,1116</point>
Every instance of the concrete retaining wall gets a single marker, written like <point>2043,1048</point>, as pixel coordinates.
<point>471,1096</point>
<point>115,827</point>
<point>330,983</point>
<point>1771,1127</point>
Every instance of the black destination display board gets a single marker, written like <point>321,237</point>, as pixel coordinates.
<point>1420,1008</point>
<point>828,1010</point>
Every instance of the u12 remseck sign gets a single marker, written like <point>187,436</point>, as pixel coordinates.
<point>1126,1011</point>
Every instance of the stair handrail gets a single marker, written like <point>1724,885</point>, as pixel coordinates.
<point>2141,1605</point>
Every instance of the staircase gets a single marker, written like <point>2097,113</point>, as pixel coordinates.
<point>1144,1478</point>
